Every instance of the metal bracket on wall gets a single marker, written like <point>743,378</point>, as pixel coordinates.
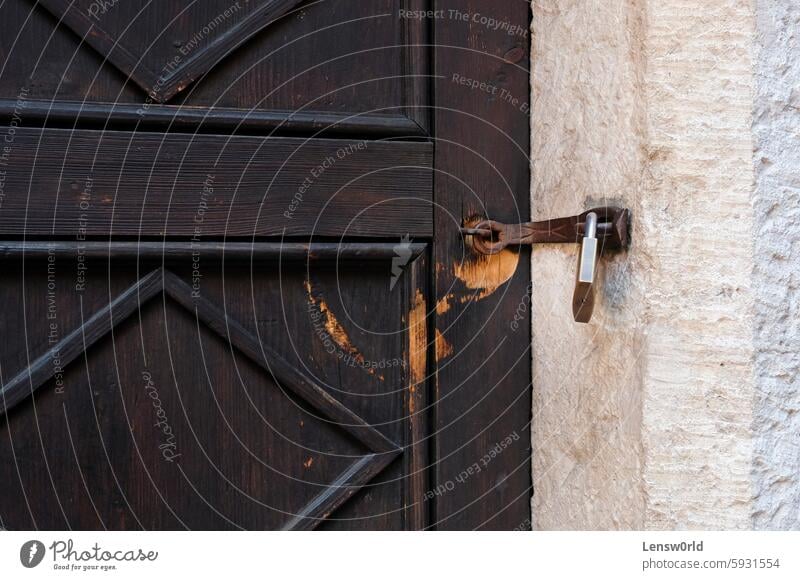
<point>597,230</point>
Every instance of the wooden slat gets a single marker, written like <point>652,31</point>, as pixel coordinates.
<point>229,251</point>
<point>221,120</point>
<point>416,65</point>
<point>92,183</point>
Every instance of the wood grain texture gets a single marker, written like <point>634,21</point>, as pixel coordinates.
<point>283,372</point>
<point>208,185</point>
<point>417,65</point>
<point>338,492</point>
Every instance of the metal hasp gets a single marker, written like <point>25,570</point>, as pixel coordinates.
<point>597,230</point>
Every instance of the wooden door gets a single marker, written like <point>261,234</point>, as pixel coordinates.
<point>234,290</point>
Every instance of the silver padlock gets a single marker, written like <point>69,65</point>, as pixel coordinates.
<point>583,297</point>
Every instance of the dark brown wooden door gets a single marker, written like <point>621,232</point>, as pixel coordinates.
<point>234,292</point>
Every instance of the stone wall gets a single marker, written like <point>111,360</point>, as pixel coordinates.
<point>776,275</point>
<point>676,407</point>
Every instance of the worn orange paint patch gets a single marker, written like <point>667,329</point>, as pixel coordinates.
<point>336,331</point>
<point>417,347</point>
<point>443,348</point>
<point>444,304</point>
<point>486,273</point>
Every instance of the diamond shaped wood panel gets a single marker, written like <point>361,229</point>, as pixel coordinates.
<point>163,46</point>
<point>360,470</point>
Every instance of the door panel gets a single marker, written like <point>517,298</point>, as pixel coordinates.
<point>191,406</point>
<point>348,57</point>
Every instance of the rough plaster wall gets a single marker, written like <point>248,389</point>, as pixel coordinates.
<point>776,126</point>
<point>698,385</point>
<point>587,148</point>
<point>642,419</point>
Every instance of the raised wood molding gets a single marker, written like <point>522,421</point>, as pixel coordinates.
<point>174,118</point>
<point>228,251</point>
<point>417,66</point>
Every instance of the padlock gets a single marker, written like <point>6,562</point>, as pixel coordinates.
<point>583,297</point>
<point>600,227</point>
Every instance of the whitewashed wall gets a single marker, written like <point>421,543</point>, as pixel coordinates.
<point>776,279</point>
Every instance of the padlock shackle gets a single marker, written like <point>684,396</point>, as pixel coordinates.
<point>590,226</point>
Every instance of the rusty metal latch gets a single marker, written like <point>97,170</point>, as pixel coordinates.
<point>597,230</point>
